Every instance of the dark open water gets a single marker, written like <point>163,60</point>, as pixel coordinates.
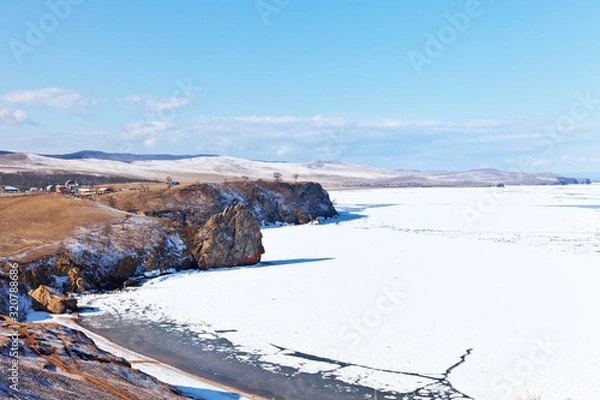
<point>218,360</point>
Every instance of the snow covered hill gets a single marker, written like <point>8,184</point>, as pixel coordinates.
<point>217,168</point>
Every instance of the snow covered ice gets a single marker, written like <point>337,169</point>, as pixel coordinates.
<point>493,289</point>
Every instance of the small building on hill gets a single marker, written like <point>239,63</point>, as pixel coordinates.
<point>104,190</point>
<point>86,191</point>
<point>10,189</point>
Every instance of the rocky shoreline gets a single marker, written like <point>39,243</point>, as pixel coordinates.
<point>197,227</point>
<point>219,362</point>
<point>157,366</point>
<point>58,362</point>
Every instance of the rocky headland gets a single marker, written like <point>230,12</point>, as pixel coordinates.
<point>268,201</point>
<point>86,246</point>
<point>161,231</point>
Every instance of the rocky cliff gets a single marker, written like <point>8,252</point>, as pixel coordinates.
<point>269,202</point>
<point>99,249</point>
<point>231,238</point>
<point>103,257</point>
<point>203,225</point>
<point>56,362</point>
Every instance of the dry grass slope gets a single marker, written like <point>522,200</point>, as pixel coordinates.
<point>33,226</point>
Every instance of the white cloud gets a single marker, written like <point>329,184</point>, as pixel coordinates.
<point>133,99</point>
<point>166,104</point>
<point>403,143</point>
<point>475,126</point>
<point>578,160</point>
<point>156,105</point>
<point>53,97</point>
<point>283,150</point>
<point>320,137</point>
<point>142,128</point>
<point>319,123</point>
<point>151,142</point>
<point>12,117</point>
<point>539,162</point>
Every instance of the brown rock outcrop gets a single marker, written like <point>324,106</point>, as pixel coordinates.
<point>56,362</point>
<point>102,258</point>
<point>48,299</point>
<point>231,238</point>
<point>269,202</point>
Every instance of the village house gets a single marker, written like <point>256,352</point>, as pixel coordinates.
<point>10,189</point>
<point>86,191</point>
<point>104,190</point>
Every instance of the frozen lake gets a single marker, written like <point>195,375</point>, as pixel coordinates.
<point>484,293</point>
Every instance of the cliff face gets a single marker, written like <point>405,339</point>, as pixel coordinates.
<point>58,362</point>
<point>232,238</point>
<point>222,224</point>
<point>104,257</point>
<point>269,202</point>
<point>192,231</point>
<point>573,181</point>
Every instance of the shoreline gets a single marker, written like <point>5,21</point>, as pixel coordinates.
<point>153,366</point>
<point>217,360</point>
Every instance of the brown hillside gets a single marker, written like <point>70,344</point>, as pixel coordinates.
<point>35,225</point>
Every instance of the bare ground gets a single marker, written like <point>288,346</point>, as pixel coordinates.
<point>33,226</point>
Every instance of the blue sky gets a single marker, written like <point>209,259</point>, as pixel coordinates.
<point>397,84</point>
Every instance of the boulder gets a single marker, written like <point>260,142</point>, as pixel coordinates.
<point>48,299</point>
<point>229,239</point>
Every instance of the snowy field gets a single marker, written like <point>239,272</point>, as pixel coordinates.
<point>493,292</point>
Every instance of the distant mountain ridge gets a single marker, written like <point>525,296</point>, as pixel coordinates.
<point>122,157</point>
<point>213,168</point>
